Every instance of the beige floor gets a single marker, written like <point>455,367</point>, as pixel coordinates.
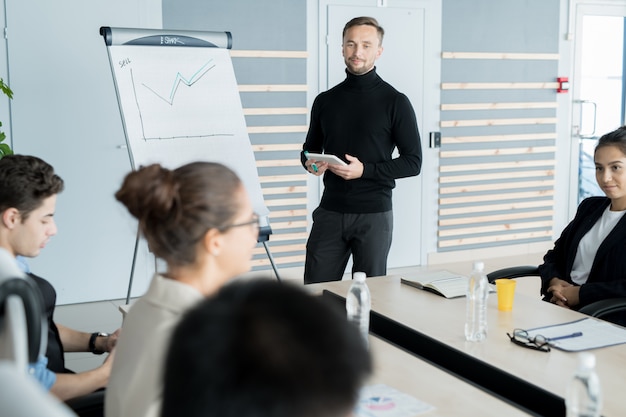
<point>106,315</point>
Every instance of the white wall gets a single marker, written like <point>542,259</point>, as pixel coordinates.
<point>65,111</point>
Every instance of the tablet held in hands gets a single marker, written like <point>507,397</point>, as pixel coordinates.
<point>324,157</point>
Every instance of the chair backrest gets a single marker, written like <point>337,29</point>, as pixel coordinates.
<point>23,336</point>
<point>22,396</point>
<point>513,272</point>
<point>604,308</point>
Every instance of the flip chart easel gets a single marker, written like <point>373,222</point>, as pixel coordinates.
<point>179,102</point>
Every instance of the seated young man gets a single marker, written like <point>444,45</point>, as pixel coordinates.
<point>28,192</point>
<point>264,349</point>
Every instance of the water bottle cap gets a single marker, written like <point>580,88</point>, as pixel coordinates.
<point>587,360</point>
<point>479,266</point>
<point>359,276</point>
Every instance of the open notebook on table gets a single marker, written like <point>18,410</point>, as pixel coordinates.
<point>444,283</point>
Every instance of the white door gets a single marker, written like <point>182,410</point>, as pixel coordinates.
<point>598,87</point>
<point>402,64</point>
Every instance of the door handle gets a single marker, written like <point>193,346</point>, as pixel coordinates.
<point>581,132</point>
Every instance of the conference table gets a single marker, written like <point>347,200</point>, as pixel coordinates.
<point>449,395</point>
<point>432,327</point>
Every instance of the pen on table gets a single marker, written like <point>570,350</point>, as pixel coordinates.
<point>313,164</point>
<point>567,336</point>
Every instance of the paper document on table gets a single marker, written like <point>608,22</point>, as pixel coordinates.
<point>595,334</point>
<point>381,400</point>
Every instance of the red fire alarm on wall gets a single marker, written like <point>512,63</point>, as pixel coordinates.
<point>563,86</point>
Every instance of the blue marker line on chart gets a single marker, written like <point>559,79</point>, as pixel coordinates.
<point>188,82</point>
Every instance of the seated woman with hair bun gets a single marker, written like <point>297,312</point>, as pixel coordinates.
<point>199,220</point>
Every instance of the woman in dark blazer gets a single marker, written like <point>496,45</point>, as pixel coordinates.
<point>588,261</point>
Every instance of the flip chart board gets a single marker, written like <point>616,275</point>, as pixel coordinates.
<point>179,102</point>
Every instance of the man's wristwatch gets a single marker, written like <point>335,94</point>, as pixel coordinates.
<point>92,342</point>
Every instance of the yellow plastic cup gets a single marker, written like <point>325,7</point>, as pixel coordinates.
<point>506,293</point>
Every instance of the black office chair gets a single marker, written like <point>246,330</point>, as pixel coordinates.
<point>21,335</point>
<point>599,309</point>
<point>14,283</point>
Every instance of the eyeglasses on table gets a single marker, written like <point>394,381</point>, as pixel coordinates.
<point>521,338</point>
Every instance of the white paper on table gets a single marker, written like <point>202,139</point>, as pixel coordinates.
<point>381,400</point>
<point>595,334</point>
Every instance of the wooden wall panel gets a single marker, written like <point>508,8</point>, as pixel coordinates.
<point>496,175</point>
<point>277,132</point>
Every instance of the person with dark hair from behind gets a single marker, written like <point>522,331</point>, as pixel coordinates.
<point>587,263</point>
<point>260,348</point>
<point>28,194</point>
<point>199,220</point>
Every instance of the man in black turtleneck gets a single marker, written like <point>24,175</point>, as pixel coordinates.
<point>361,120</point>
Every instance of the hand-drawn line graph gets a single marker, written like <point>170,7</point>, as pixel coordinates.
<point>196,116</point>
<point>182,79</point>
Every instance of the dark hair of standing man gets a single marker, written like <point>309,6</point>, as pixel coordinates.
<point>264,349</point>
<point>368,21</point>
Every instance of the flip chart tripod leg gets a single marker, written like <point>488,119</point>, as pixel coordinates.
<point>132,268</point>
<point>269,255</point>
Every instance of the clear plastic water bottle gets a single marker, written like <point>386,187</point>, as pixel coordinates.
<point>476,313</point>
<point>358,304</point>
<point>584,395</point>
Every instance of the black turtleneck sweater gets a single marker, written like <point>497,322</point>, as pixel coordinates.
<point>365,117</point>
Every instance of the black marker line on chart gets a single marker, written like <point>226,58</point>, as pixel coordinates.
<point>177,81</point>
<point>132,81</point>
